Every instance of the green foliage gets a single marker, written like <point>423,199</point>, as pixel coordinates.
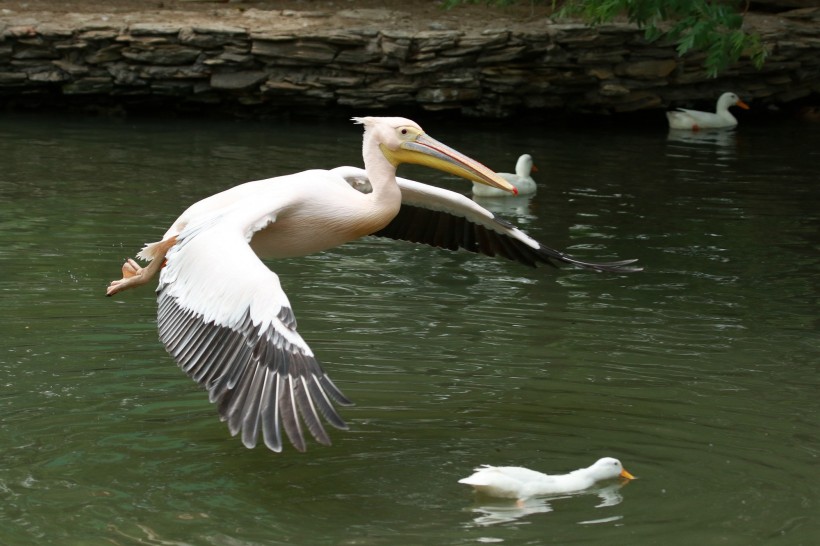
<point>712,26</point>
<point>453,3</point>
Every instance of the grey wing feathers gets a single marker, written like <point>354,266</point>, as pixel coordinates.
<point>449,220</point>
<point>229,326</point>
<point>447,230</point>
<point>258,383</point>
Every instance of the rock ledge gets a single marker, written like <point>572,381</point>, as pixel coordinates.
<point>374,60</point>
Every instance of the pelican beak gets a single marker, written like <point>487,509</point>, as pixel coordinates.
<point>627,475</point>
<point>422,149</point>
<point>742,104</point>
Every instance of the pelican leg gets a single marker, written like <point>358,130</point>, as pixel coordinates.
<point>134,275</point>
<point>130,269</point>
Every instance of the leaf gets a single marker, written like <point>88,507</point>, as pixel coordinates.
<point>711,26</point>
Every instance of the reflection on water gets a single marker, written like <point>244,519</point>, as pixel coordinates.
<point>717,138</point>
<point>700,371</point>
<point>508,511</point>
<point>514,208</point>
<point>505,512</point>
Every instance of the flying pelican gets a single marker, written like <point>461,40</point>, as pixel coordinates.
<point>695,120</point>
<point>522,180</point>
<point>222,314</point>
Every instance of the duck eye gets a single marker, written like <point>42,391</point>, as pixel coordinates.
<point>404,131</point>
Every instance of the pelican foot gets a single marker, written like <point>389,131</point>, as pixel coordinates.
<point>132,275</point>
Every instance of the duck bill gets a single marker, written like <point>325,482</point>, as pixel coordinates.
<point>627,475</point>
<point>742,104</point>
<point>425,150</point>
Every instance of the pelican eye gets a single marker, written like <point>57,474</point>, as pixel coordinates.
<point>406,133</point>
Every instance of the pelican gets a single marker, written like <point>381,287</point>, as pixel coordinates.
<point>222,314</point>
<point>695,120</point>
<point>522,180</point>
<point>516,482</point>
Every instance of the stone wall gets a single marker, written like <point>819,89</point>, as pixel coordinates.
<point>279,61</point>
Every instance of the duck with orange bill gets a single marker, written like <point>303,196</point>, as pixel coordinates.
<point>695,120</point>
<point>516,482</point>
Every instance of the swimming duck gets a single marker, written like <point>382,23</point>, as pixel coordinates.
<point>522,180</point>
<point>695,120</point>
<point>515,482</point>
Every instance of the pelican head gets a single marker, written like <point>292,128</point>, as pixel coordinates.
<point>403,141</point>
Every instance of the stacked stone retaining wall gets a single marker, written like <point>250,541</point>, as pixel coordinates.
<point>287,61</point>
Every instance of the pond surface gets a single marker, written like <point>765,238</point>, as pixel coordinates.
<point>700,373</point>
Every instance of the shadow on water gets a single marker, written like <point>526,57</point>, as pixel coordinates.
<point>699,373</point>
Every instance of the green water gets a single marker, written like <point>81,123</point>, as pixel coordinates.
<point>700,374</point>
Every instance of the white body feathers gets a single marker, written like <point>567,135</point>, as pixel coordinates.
<point>515,482</point>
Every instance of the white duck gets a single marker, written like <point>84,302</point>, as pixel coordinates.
<point>515,482</point>
<point>522,180</point>
<point>694,120</point>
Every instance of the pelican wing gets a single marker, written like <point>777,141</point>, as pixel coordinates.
<point>446,219</point>
<point>225,319</point>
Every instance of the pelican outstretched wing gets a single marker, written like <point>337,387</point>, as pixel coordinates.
<point>225,319</point>
<point>449,220</point>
